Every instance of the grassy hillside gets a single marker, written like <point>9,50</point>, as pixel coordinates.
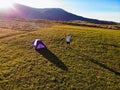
<point>92,62</point>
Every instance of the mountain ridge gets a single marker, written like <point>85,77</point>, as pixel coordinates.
<point>48,13</point>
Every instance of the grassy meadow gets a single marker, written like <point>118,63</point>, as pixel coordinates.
<point>91,63</point>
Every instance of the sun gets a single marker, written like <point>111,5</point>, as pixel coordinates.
<point>6,4</point>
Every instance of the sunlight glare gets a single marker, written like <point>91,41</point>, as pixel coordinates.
<point>6,4</point>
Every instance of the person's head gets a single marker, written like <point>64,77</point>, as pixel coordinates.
<point>69,35</point>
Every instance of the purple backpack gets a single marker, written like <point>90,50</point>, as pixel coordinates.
<point>37,44</point>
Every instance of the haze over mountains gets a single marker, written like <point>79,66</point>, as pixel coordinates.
<point>23,11</point>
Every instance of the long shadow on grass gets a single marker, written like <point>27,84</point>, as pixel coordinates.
<point>100,64</point>
<point>53,58</point>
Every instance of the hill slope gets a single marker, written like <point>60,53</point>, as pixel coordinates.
<point>47,13</point>
<point>91,63</point>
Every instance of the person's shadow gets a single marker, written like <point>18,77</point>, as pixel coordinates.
<point>46,53</point>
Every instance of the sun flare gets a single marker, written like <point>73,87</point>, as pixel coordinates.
<point>6,4</point>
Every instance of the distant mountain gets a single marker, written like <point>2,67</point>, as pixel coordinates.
<point>47,13</point>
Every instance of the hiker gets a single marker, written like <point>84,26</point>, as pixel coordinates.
<point>68,39</point>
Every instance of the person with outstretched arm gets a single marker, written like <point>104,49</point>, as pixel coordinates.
<point>68,40</point>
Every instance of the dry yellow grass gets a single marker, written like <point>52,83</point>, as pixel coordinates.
<point>92,62</point>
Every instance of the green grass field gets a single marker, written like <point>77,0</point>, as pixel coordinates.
<point>92,62</point>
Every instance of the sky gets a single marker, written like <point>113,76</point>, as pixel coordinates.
<point>96,9</point>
